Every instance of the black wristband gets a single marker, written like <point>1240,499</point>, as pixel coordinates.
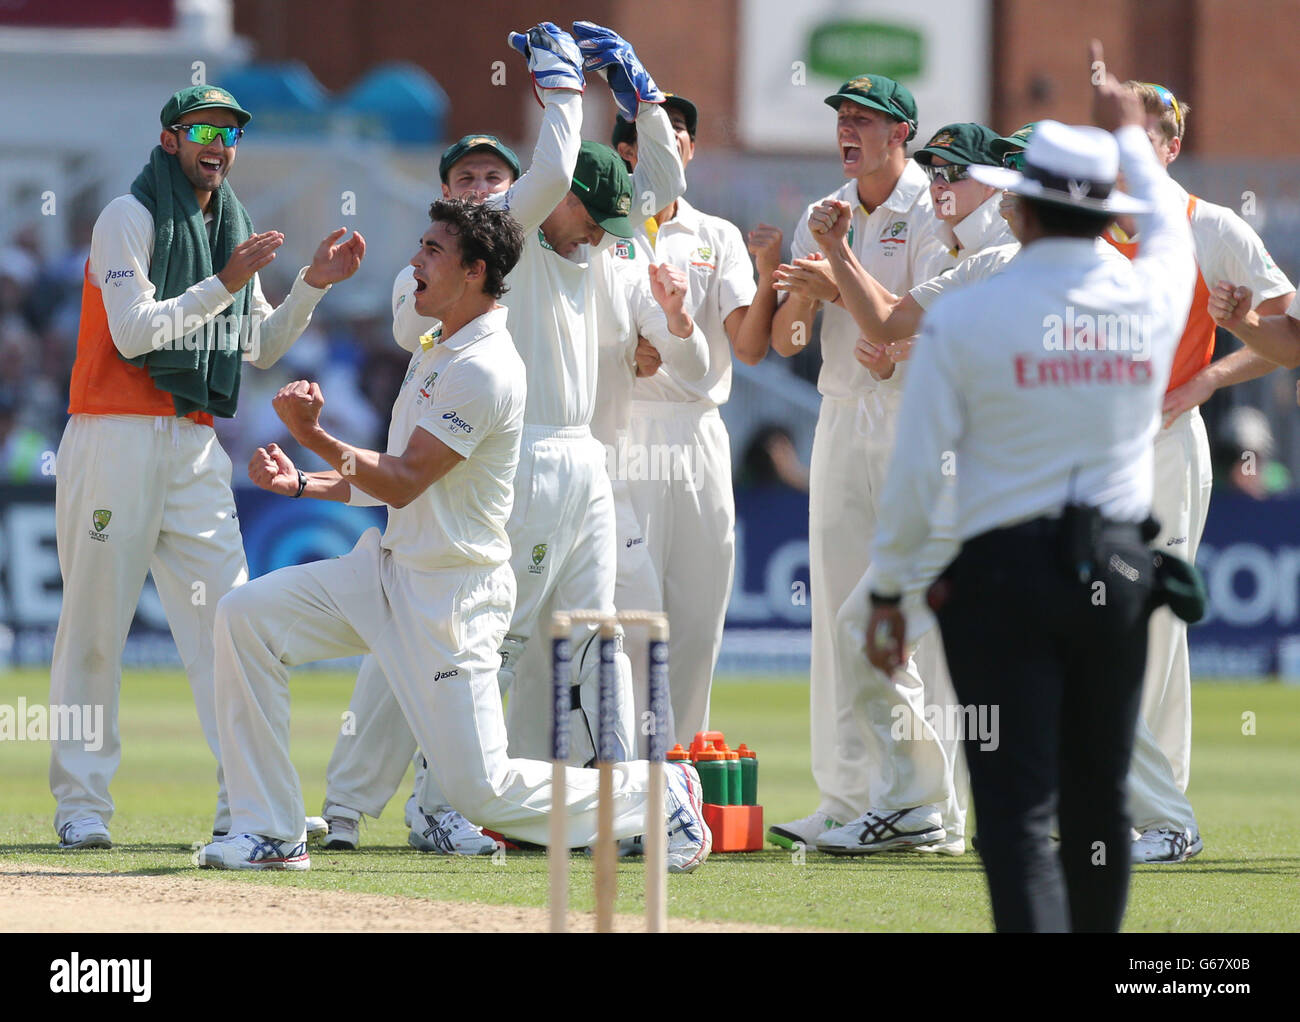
<point>302,483</point>
<point>885,601</point>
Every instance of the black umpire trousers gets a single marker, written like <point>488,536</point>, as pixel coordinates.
<point>1062,660</point>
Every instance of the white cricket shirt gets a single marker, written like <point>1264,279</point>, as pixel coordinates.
<point>1026,423</point>
<point>627,310</point>
<point>712,251</point>
<point>981,266</point>
<point>121,250</point>
<point>552,300</point>
<point>468,391</point>
<point>983,227</point>
<point>900,245</point>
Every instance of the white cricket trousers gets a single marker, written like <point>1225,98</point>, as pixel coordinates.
<point>1162,751</point>
<point>847,469</point>
<point>435,635</point>
<point>918,763</point>
<point>562,540</point>
<point>685,503</point>
<point>135,493</point>
<point>637,588</point>
<point>1181,503</point>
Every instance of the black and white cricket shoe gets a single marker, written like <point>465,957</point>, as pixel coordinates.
<point>253,851</point>
<point>446,832</point>
<point>880,830</point>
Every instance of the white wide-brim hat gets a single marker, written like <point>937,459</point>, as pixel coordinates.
<point>1067,165</point>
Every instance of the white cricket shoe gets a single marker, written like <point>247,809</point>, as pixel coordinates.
<point>252,851</point>
<point>1166,846</point>
<point>317,827</point>
<point>802,832</point>
<point>950,845</point>
<point>342,828</point>
<point>689,837</point>
<point>879,830</point>
<point>446,832</point>
<point>84,832</point>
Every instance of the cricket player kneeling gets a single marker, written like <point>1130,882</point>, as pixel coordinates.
<point>431,598</point>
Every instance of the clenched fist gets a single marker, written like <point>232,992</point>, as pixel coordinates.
<point>271,469</point>
<point>299,406</point>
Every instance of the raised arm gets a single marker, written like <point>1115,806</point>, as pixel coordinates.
<point>750,329</point>
<point>661,318</point>
<point>555,64</point>
<point>1276,338</point>
<point>879,314</point>
<point>659,178</point>
<point>392,480</point>
<point>1166,263</point>
<point>279,328</point>
<point>121,246</point>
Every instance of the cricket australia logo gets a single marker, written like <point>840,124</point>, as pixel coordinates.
<point>539,555</point>
<point>99,519</point>
<point>895,234</point>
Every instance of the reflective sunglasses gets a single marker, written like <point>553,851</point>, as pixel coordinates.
<point>1014,161</point>
<point>203,134</point>
<point>952,173</point>
<point>1169,100</point>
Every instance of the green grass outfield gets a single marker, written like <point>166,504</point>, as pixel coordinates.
<point>1244,787</point>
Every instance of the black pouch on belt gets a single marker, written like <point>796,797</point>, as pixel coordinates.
<point>1080,532</point>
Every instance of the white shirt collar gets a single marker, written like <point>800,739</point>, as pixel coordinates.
<point>685,216</point>
<point>491,322</point>
<point>980,225</point>
<point>912,183</point>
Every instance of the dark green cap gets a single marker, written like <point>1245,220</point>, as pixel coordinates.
<point>473,144</point>
<point>962,143</point>
<point>692,115</point>
<point>625,131</point>
<point>202,97</point>
<point>605,187</point>
<point>1013,143</point>
<point>879,93</point>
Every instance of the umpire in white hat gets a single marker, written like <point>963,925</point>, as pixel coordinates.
<point>1040,390</point>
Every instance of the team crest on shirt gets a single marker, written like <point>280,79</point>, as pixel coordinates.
<point>99,519</point>
<point>539,555</point>
<point>624,249</point>
<point>703,256</point>
<point>426,389</point>
<point>894,235</point>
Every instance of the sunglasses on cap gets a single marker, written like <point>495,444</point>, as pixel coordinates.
<point>204,134</point>
<point>1014,161</point>
<point>1169,100</point>
<point>952,173</point>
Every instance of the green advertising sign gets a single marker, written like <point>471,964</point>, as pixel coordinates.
<point>843,49</point>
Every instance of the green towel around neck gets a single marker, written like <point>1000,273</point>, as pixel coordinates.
<point>200,370</point>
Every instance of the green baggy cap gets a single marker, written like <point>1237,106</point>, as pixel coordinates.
<point>879,93</point>
<point>473,144</point>
<point>605,187</point>
<point>1013,143</point>
<point>202,97</point>
<point>963,143</point>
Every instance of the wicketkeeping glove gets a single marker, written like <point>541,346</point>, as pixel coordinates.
<point>554,59</point>
<point>608,51</point>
